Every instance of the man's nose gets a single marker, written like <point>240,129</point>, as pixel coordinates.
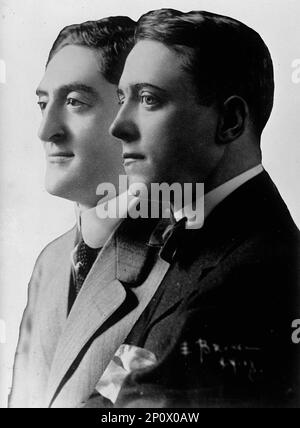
<point>51,127</point>
<point>125,126</point>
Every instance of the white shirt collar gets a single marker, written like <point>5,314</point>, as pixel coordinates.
<point>209,201</point>
<point>95,229</point>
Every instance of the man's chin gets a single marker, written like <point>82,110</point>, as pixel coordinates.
<point>138,178</point>
<point>60,190</point>
<point>71,192</point>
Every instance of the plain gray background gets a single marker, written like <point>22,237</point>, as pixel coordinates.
<point>29,217</point>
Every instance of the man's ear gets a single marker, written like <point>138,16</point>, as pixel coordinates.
<point>233,115</point>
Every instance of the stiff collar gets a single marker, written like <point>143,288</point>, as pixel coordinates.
<point>95,229</point>
<point>209,201</point>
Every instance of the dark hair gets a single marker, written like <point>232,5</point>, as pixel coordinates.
<point>112,38</point>
<point>223,56</point>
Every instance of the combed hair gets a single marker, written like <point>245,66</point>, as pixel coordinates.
<point>111,38</point>
<point>223,56</point>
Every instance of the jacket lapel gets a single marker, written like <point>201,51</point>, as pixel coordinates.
<point>198,254</point>
<point>99,297</point>
<point>114,294</point>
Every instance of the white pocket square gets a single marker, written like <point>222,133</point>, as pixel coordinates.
<point>126,359</point>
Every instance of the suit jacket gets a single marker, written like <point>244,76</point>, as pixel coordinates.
<point>220,323</point>
<point>60,357</point>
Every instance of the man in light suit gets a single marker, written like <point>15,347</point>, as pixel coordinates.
<point>196,93</point>
<point>60,327</point>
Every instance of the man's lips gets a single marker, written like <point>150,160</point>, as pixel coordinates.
<point>132,157</point>
<point>59,157</point>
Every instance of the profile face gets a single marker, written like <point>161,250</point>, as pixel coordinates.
<point>166,135</point>
<point>78,106</point>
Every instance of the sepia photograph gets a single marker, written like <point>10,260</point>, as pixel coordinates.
<point>149,205</point>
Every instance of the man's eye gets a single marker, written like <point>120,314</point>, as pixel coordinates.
<point>42,105</point>
<point>149,100</point>
<point>74,103</point>
<point>121,100</point>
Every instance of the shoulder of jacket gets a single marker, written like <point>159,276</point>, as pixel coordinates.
<point>58,245</point>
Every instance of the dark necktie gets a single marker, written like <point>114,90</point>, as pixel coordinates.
<point>168,238</point>
<point>84,258</point>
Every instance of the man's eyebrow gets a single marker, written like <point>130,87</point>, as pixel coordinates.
<point>139,86</point>
<point>76,87</point>
<point>40,92</point>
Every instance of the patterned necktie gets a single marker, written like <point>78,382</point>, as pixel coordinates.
<point>84,259</point>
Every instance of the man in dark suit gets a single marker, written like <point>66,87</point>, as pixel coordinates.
<point>196,94</point>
